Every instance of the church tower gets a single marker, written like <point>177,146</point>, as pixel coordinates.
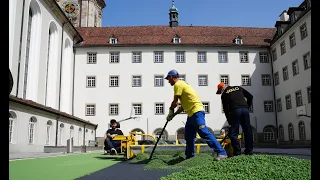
<point>83,13</point>
<point>173,16</point>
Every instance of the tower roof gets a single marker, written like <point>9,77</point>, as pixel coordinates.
<point>173,8</point>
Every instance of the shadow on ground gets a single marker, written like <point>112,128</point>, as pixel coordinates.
<point>109,158</point>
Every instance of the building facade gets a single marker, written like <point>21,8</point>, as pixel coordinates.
<point>291,61</point>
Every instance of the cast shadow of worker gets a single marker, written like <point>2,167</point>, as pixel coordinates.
<point>114,158</point>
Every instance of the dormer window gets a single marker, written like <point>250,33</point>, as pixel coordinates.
<point>113,40</point>
<point>280,30</point>
<point>293,17</point>
<point>238,40</point>
<point>176,39</point>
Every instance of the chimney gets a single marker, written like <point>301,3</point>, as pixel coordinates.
<point>284,16</point>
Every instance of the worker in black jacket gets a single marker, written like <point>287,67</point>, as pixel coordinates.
<point>236,102</point>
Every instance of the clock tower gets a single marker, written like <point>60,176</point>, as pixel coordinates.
<point>83,13</point>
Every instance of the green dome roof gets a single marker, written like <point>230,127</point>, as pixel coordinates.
<point>173,8</point>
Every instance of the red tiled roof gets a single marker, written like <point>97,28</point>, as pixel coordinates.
<point>48,109</point>
<point>162,35</point>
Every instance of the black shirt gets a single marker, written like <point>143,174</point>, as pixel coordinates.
<point>114,131</point>
<point>234,97</point>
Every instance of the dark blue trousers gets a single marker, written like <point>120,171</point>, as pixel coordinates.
<point>240,116</point>
<point>196,123</point>
<point>109,144</point>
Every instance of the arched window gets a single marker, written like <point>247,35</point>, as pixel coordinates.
<point>32,129</point>
<point>61,128</point>
<point>71,132</point>
<point>180,133</point>
<point>80,137</point>
<point>48,132</point>
<point>157,133</point>
<point>302,130</point>
<point>291,131</point>
<point>281,133</point>
<point>268,134</point>
<point>12,118</point>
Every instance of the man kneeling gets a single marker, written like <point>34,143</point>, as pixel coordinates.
<point>109,144</point>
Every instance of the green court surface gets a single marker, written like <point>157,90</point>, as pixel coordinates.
<point>60,167</point>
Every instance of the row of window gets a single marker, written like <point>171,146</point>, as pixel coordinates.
<point>299,100</point>
<point>269,134</point>
<point>136,81</point>
<point>32,130</point>
<point>159,108</point>
<point>295,68</point>
<point>158,57</point>
<point>292,40</point>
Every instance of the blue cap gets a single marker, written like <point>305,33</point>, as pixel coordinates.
<point>172,73</point>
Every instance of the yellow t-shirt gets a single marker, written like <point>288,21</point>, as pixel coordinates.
<point>188,98</point>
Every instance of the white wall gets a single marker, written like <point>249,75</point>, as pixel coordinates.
<point>125,95</point>
<point>21,123</point>
<point>39,61</point>
<point>295,83</point>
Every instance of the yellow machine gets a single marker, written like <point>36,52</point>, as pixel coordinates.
<point>130,146</point>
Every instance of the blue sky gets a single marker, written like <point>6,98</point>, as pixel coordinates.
<point>248,13</point>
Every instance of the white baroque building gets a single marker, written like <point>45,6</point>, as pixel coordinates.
<point>71,75</point>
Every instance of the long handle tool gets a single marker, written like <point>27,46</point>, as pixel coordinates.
<point>154,147</point>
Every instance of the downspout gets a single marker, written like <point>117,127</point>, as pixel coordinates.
<point>73,71</point>
<point>57,125</point>
<point>84,138</point>
<point>88,14</point>
<point>61,58</point>
<point>20,45</point>
<point>274,96</point>
<point>80,4</point>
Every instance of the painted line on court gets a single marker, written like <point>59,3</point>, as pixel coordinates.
<point>20,159</point>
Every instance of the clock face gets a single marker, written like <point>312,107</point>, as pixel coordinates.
<point>71,8</point>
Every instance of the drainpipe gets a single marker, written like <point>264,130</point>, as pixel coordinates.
<point>274,97</point>
<point>73,76</point>
<point>61,58</point>
<point>19,61</point>
<point>57,125</point>
<point>84,139</point>
<point>80,4</point>
<point>88,14</point>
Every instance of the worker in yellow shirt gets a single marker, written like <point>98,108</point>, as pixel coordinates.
<point>192,105</point>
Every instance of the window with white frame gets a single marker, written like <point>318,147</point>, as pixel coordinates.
<point>158,80</point>
<point>203,80</point>
<point>281,133</point>
<point>48,132</point>
<point>268,106</point>
<point>302,130</point>
<point>283,47</point>
<point>244,57</point>
<point>202,57</point>
<point>279,105</point>
<point>80,135</point>
<point>11,125</point>
<point>114,57</point>
<point>158,57</point>
<point>303,31</point>
<point>176,40</point>
<point>268,134</point>
<point>309,94</point>
<point>307,60</point>
<point>31,130</point>
<point>137,108</point>
<point>276,78</point>
<point>285,73</point>
<point>71,132</point>
<point>180,57</point>
<point>295,67</point>
<point>245,80</point>
<point>26,65</point>
<point>91,81</point>
<point>92,58</point>
<point>136,81</point>
<point>113,109</point>
<point>291,131</point>
<point>90,109</point>
<point>299,101</point>
<point>224,79</point>
<point>206,107</point>
<point>61,128</point>
<point>136,57</point>
<point>114,81</point>
<point>263,56</point>
<point>159,108</point>
<point>178,106</point>
<point>113,40</point>
<point>182,77</point>
<point>274,54</point>
<point>266,79</point>
<point>223,56</point>
<point>288,101</point>
<point>292,39</point>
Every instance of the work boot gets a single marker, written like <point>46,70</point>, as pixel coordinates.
<point>113,151</point>
<point>221,157</point>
